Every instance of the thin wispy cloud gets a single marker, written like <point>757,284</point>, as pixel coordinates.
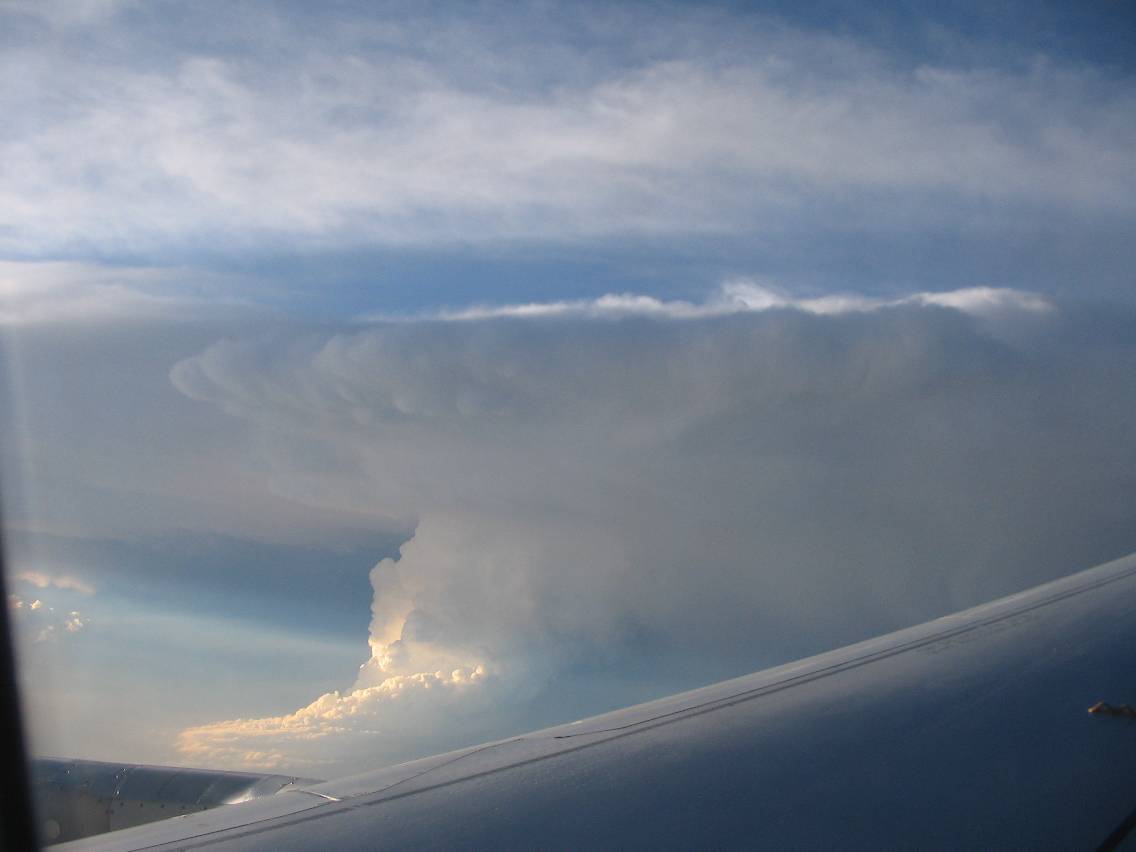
<point>42,580</point>
<point>741,296</point>
<point>65,13</point>
<point>74,293</point>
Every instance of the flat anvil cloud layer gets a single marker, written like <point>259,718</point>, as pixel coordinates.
<point>667,500</point>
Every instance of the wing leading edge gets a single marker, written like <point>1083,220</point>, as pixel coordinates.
<point>968,732</point>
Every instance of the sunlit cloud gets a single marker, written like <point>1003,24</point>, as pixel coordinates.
<point>399,708</point>
<point>405,687</point>
<point>42,580</point>
<point>39,622</point>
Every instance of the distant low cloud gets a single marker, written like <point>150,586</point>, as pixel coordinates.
<point>668,494</point>
<point>38,622</point>
<point>59,581</point>
<point>71,293</point>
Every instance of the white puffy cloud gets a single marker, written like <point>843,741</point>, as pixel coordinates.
<point>676,493</point>
<point>38,622</point>
<point>397,712</point>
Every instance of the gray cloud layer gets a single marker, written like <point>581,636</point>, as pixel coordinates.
<point>675,500</point>
<point>269,126</point>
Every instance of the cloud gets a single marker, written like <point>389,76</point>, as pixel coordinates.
<point>395,711</point>
<point>658,495</point>
<point>65,13</point>
<point>38,622</point>
<point>747,296</point>
<point>71,293</point>
<point>406,687</point>
<point>636,487</point>
<point>359,138</point>
<point>71,623</point>
<point>42,581</point>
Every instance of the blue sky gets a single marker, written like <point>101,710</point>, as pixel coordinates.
<point>540,358</point>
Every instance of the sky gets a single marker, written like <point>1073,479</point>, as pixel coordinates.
<point>385,378</point>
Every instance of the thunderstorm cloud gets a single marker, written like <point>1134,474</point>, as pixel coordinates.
<point>674,492</point>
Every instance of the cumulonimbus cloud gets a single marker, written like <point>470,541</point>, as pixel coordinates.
<point>662,497</point>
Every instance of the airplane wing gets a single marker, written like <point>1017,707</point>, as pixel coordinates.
<point>982,730</point>
<point>80,798</point>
